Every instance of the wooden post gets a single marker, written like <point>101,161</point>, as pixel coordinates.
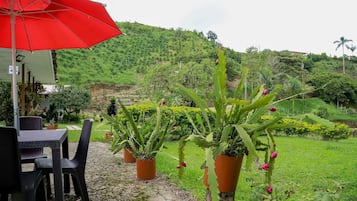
<point>23,93</point>
<point>33,83</point>
<point>28,88</point>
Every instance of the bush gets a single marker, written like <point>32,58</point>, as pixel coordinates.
<point>340,131</point>
<point>322,112</point>
<point>182,126</point>
<point>293,127</point>
<point>290,127</point>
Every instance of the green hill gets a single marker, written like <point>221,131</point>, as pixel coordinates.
<point>121,60</point>
<point>153,59</point>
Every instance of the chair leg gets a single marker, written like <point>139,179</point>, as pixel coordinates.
<point>41,194</point>
<point>48,186</point>
<point>82,187</point>
<point>67,186</point>
<point>75,185</point>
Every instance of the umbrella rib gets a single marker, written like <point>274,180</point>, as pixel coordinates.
<point>27,33</point>
<point>79,11</point>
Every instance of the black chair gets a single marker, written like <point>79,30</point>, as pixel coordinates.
<point>12,180</point>
<point>31,123</point>
<point>76,166</point>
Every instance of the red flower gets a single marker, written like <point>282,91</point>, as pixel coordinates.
<point>183,164</point>
<point>274,154</point>
<point>265,92</point>
<point>178,166</point>
<point>217,62</point>
<point>269,189</point>
<point>272,109</point>
<point>265,166</point>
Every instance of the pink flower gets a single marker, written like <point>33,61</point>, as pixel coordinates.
<point>274,154</point>
<point>272,109</point>
<point>217,62</point>
<point>178,166</point>
<point>269,189</point>
<point>265,92</point>
<point>265,166</point>
<point>183,164</point>
<point>163,101</point>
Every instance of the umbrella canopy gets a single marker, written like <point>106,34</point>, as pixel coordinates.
<point>60,24</point>
<point>52,24</point>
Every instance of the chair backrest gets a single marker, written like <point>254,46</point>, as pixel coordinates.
<point>10,168</point>
<point>30,123</point>
<point>82,149</point>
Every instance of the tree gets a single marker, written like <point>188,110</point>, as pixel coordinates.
<point>71,100</point>
<point>342,43</point>
<point>352,48</point>
<point>334,88</point>
<point>212,36</point>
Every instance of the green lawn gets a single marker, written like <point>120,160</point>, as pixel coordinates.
<point>305,169</point>
<point>98,131</point>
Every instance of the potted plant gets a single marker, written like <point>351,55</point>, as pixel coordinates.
<point>111,111</point>
<point>52,117</point>
<point>146,137</point>
<point>120,138</point>
<point>232,129</point>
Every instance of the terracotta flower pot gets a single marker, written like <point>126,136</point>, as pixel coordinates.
<point>128,157</point>
<point>145,169</point>
<point>227,171</point>
<point>52,127</point>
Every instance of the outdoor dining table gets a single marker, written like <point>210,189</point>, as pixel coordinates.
<point>55,139</point>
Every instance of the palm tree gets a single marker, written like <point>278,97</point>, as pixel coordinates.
<point>342,43</point>
<point>352,48</point>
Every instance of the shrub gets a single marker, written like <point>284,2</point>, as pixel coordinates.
<point>340,131</point>
<point>301,128</point>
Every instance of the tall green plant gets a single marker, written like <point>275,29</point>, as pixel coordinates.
<point>236,124</point>
<point>147,134</point>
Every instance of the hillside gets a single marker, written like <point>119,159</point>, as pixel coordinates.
<point>154,59</point>
<point>123,59</point>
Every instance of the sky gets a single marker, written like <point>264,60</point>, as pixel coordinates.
<point>309,26</point>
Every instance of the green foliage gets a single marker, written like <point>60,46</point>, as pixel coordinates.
<point>312,125</point>
<point>123,59</point>
<point>52,114</point>
<point>71,100</point>
<point>112,107</point>
<point>147,134</point>
<point>237,123</point>
<point>6,107</point>
<point>334,88</point>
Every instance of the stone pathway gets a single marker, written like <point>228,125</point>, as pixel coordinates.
<point>73,127</point>
<point>109,179</point>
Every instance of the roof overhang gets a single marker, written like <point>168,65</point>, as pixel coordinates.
<point>38,63</point>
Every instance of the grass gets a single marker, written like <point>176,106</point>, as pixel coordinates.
<point>306,169</point>
<point>98,131</point>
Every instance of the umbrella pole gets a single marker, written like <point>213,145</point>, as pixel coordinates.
<point>14,87</point>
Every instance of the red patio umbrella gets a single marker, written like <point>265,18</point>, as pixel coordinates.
<point>52,24</point>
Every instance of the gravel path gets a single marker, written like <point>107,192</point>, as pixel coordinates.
<point>110,179</point>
